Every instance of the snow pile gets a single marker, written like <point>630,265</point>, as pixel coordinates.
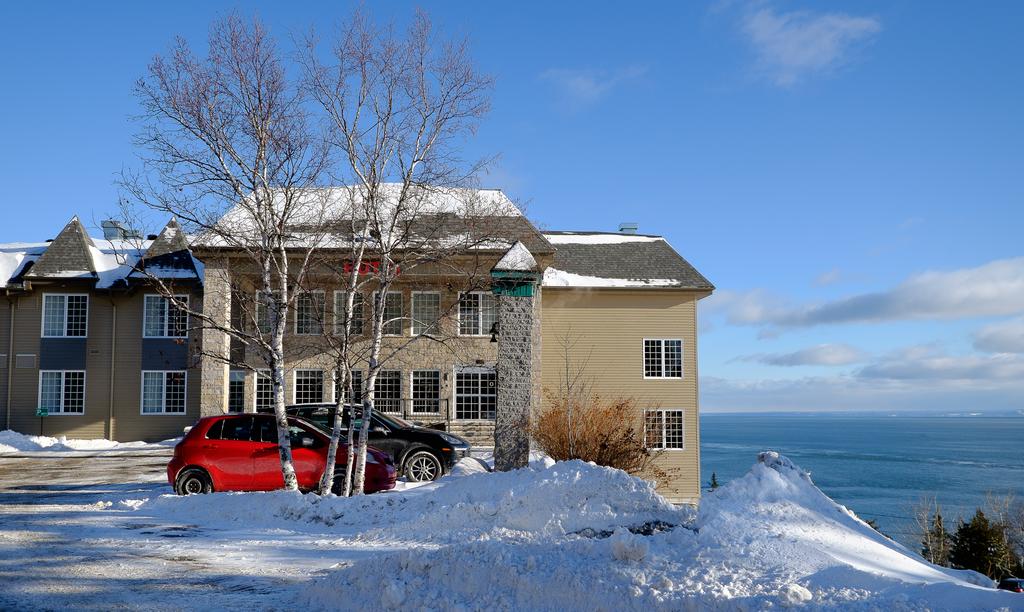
<point>14,442</point>
<point>530,503</point>
<point>770,539</point>
<point>791,528</point>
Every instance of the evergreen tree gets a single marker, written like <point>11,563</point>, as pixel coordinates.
<point>980,545</point>
<point>937,541</point>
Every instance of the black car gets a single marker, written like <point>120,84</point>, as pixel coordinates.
<point>1012,584</point>
<point>420,453</point>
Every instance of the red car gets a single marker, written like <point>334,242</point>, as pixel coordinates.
<point>239,452</point>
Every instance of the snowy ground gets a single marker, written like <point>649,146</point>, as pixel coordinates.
<point>14,443</point>
<point>100,533</point>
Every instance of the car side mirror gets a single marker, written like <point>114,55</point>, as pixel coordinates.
<point>379,429</point>
<point>308,441</point>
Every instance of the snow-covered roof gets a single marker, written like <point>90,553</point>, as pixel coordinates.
<point>598,238</point>
<point>517,259</point>
<point>617,260</point>
<point>80,256</point>
<point>448,217</point>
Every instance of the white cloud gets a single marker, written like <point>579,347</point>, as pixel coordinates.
<point>584,87</point>
<point>822,354</point>
<point>793,45</point>
<point>975,369</point>
<point>993,289</point>
<point>828,278</point>
<point>1002,337</point>
<point>914,378</point>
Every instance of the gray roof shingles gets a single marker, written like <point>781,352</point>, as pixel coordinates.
<point>654,259</point>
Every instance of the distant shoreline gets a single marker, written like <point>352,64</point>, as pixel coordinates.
<point>1012,414</point>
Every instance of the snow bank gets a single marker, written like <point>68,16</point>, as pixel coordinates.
<point>14,442</point>
<point>566,497</point>
<point>768,540</point>
<point>572,535</point>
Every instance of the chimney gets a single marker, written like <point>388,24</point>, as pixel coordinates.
<point>114,230</point>
<point>628,227</point>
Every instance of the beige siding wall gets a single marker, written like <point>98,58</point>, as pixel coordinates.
<point>608,327</point>
<point>6,359</point>
<point>127,422</point>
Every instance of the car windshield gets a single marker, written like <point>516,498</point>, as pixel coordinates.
<point>323,417</point>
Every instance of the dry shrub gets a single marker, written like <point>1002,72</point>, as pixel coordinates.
<point>606,432</point>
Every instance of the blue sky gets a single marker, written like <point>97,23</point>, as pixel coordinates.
<point>849,174</point>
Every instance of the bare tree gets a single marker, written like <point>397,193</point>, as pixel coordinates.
<point>577,423</point>
<point>230,150</point>
<point>934,537</point>
<point>398,107</point>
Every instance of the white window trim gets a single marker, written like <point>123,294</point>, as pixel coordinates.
<point>662,411</point>
<point>452,407</point>
<point>167,314</point>
<point>480,316</point>
<point>42,319</point>
<point>255,386</point>
<point>403,317</point>
<point>295,386</point>
<point>412,394</point>
<point>412,312</point>
<point>682,358</point>
<point>163,412</point>
<point>323,317</point>
<point>339,322</point>
<point>334,378</point>
<point>245,376</point>
<point>401,388</point>
<point>261,307</point>
<point>39,394</point>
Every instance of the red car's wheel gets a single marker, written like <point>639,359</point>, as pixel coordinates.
<point>193,481</point>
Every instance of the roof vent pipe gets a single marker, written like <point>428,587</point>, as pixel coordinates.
<point>628,227</point>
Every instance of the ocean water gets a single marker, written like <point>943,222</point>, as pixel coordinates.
<point>879,466</point>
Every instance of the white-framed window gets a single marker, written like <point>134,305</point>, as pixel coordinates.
<point>236,391</point>
<point>357,387</point>
<point>62,391</point>
<point>308,387</point>
<point>426,391</point>
<point>65,315</point>
<point>387,391</point>
<point>309,313</point>
<point>478,312</point>
<point>663,358</point>
<point>476,393</point>
<point>162,319</point>
<point>163,391</point>
<point>664,429</point>
<point>264,391</point>
<point>426,310</point>
<point>265,304</point>
<point>358,316</point>
<point>393,313</point>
